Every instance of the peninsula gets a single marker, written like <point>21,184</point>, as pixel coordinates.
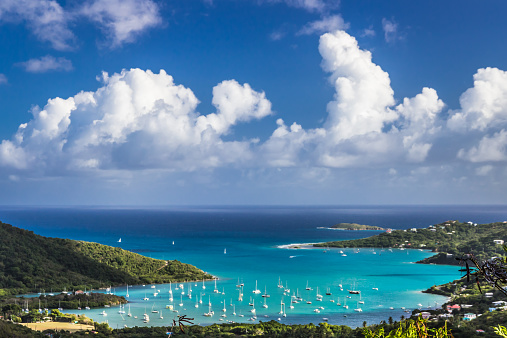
<point>33,263</point>
<point>447,240</point>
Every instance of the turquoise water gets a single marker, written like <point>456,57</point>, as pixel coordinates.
<point>251,237</point>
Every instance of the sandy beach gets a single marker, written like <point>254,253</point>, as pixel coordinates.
<point>58,326</point>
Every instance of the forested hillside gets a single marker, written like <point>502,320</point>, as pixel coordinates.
<point>29,262</point>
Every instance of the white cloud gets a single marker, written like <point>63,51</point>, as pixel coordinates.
<point>368,32</point>
<point>122,20</point>
<point>277,35</point>
<point>490,149</point>
<point>484,170</point>
<point>363,89</point>
<point>363,126</point>
<point>45,18</point>
<point>390,28</point>
<point>234,103</point>
<point>136,120</point>
<point>3,79</point>
<point>326,24</point>
<point>47,63</point>
<point>485,104</point>
<point>309,5</point>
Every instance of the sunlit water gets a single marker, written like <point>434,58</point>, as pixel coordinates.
<point>250,238</point>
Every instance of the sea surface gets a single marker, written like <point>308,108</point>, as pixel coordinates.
<point>244,245</point>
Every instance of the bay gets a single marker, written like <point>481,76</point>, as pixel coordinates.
<point>251,238</point>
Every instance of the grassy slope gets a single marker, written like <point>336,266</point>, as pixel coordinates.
<point>31,262</point>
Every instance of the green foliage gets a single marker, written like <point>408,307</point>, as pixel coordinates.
<point>501,331</point>
<point>30,262</point>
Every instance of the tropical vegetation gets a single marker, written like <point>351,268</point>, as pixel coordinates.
<point>33,263</point>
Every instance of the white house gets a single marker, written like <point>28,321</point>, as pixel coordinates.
<point>498,241</point>
<point>469,316</point>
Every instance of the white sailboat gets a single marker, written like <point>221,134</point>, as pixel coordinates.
<point>358,309</point>
<point>319,296</point>
<point>307,287</point>
<point>203,286</point>
<point>225,251</point>
<point>210,312</point>
<point>216,290</point>
<point>129,314</point>
<point>196,302</point>
<point>224,309</point>
<point>280,285</point>
<point>256,291</point>
<point>265,295</point>
<point>119,241</point>
<point>265,305</point>
<point>127,295</point>
<point>360,301</point>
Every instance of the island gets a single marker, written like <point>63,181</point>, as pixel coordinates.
<point>354,226</point>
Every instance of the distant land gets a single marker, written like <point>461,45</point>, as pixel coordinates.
<point>354,226</point>
<point>33,263</point>
<point>447,240</point>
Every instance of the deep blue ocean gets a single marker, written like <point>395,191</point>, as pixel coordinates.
<point>250,237</point>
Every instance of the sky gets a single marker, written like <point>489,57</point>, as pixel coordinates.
<point>255,102</point>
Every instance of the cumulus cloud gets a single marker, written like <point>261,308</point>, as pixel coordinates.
<point>363,89</point>
<point>490,149</point>
<point>136,120</point>
<point>3,79</point>
<point>390,28</point>
<point>47,63</point>
<point>46,19</point>
<point>363,126</point>
<point>122,20</point>
<point>326,24</point>
<point>485,104</point>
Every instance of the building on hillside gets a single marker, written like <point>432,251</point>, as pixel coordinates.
<point>498,241</point>
<point>450,308</point>
<point>425,315</point>
<point>469,316</point>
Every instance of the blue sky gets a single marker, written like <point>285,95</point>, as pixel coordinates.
<point>144,102</point>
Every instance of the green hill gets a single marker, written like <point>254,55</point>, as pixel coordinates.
<point>449,239</point>
<point>29,262</point>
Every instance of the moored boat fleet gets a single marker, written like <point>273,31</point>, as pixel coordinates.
<point>251,304</point>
